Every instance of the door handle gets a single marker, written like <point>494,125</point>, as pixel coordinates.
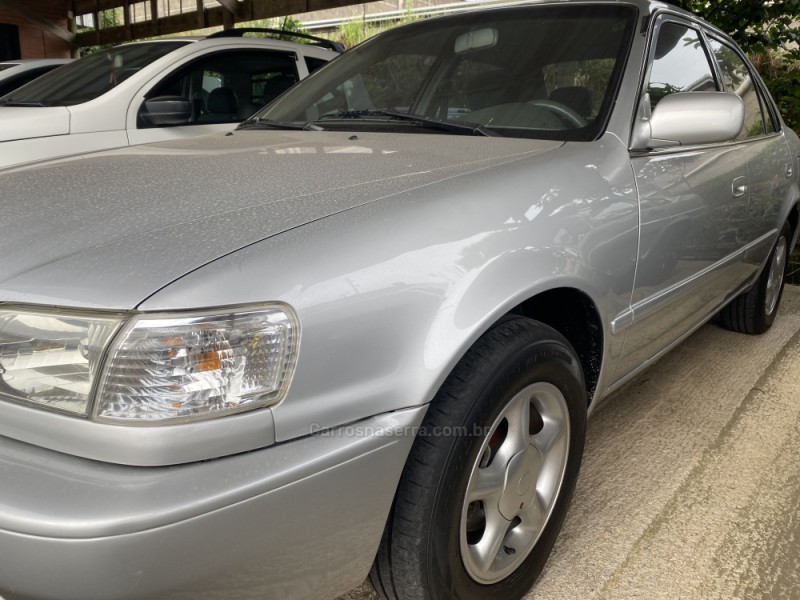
<point>739,187</point>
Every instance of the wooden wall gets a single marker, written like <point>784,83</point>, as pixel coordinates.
<point>34,40</point>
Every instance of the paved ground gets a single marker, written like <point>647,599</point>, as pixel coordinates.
<point>690,488</point>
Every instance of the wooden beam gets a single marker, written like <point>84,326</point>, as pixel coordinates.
<point>126,18</point>
<point>276,8</point>
<point>72,25</point>
<point>154,13</point>
<point>229,14</point>
<point>231,5</point>
<point>215,16</point>
<point>83,7</point>
<point>30,15</point>
<point>201,15</point>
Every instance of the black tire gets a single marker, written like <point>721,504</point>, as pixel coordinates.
<point>754,311</point>
<point>420,555</point>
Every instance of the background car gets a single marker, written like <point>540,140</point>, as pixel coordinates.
<point>149,91</point>
<point>363,332</point>
<point>16,73</point>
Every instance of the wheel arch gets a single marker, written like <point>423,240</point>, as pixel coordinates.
<point>574,315</point>
<point>567,308</point>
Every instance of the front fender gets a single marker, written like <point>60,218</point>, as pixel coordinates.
<point>392,294</point>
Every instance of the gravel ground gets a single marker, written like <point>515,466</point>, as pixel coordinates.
<point>690,486</point>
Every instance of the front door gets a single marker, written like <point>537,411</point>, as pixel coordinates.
<point>693,202</point>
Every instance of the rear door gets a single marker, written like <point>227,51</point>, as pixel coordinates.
<point>769,162</point>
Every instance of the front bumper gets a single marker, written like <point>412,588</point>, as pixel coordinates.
<point>297,520</point>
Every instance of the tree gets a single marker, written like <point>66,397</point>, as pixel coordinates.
<point>770,33</point>
<point>756,25</point>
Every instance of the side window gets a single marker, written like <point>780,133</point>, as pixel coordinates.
<point>314,63</point>
<point>769,123</point>
<point>736,79</point>
<point>680,64</point>
<point>225,87</point>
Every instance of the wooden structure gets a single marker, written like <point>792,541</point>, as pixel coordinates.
<point>35,29</point>
<point>116,21</point>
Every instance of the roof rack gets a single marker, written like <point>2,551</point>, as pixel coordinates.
<point>317,41</point>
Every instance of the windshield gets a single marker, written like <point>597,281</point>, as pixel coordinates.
<point>91,76</point>
<point>541,72</point>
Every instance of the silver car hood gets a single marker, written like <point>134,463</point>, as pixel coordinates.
<point>107,230</point>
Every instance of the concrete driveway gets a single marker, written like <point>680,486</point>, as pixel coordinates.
<point>690,486</point>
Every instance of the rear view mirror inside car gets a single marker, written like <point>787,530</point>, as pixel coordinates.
<point>476,40</point>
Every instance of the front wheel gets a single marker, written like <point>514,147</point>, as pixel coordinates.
<point>489,478</point>
<point>754,311</point>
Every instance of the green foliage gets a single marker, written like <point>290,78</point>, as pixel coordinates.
<point>757,26</point>
<point>359,30</point>
<point>110,18</point>
<point>770,33</point>
<point>782,76</point>
<point>283,23</point>
<point>356,31</point>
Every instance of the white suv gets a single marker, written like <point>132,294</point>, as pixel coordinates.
<point>152,91</point>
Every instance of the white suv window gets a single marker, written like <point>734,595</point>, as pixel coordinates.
<point>228,86</point>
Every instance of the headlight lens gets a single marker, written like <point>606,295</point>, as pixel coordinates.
<point>168,368</point>
<point>52,358</point>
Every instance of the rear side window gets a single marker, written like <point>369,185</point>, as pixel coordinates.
<point>312,64</point>
<point>680,64</point>
<point>737,79</point>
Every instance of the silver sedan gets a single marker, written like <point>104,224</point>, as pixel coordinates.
<point>363,332</point>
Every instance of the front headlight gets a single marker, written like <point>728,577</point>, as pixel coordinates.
<point>166,368</point>
<point>52,358</point>
<point>158,369</point>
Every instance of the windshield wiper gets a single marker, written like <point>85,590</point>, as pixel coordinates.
<point>261,123</point>
<point>462,128</point>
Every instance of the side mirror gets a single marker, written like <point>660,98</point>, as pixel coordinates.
<point>167,110</point>
<point>687,119</point>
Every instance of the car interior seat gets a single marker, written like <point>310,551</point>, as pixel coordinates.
<point>222,106</point>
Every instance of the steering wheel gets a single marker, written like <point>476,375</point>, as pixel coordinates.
<point>562,111</point>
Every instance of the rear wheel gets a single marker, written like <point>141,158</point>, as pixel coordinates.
<point>489,478</point>
<point>754,311</point>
